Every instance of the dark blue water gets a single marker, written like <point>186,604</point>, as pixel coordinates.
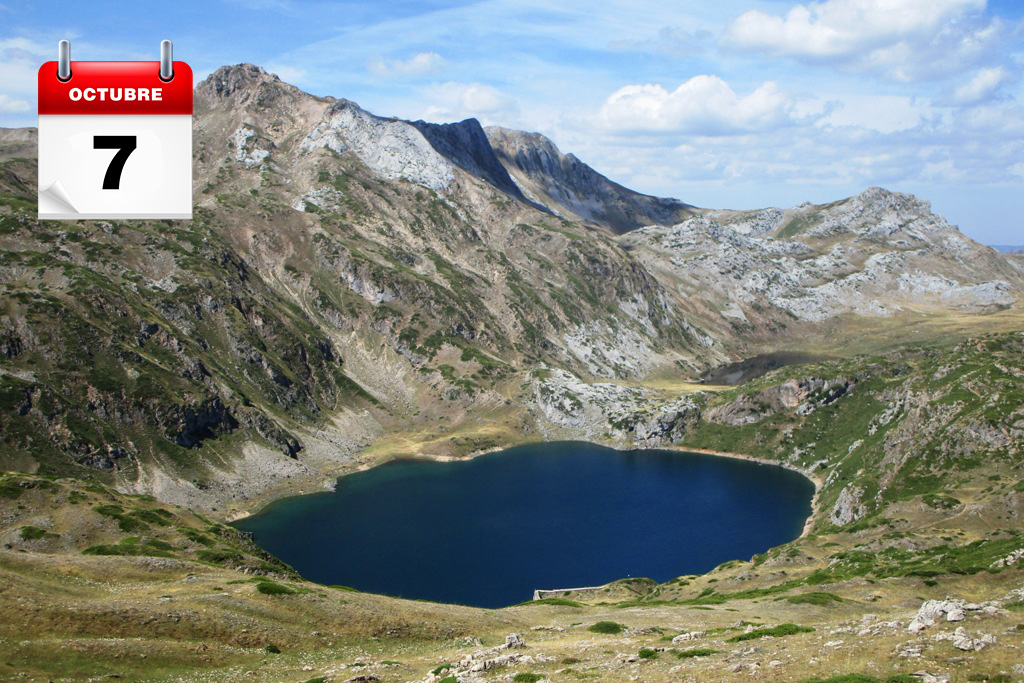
<point>487,532</point>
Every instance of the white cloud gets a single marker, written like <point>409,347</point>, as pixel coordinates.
<point>904,39</point>
<point>20,60</point>
<point>882,113</point>
<point>982,85</point>
<point>841,27</point>
<point>456,101</point>
<point>420,64</point>
<point>1002,125</point>
<point>703,105</point>
<point>12,105</point>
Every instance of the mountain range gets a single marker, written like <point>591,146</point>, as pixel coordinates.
<point>352,281</point>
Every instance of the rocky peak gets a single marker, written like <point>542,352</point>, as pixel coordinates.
<point>879,214</point>
<point>571,188</point>
<point>466,145</point>
<point>878,201</point>
<point>250,87</point>
<point>879,196</point>
<point>227,81</point>
<point>527,149</point>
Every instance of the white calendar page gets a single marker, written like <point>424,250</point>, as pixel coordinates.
<point>155,180</point>
<point>115,141</point>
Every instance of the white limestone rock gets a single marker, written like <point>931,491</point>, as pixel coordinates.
<point>392,148</point>
<point>932,611</point>
<point>849,507</point>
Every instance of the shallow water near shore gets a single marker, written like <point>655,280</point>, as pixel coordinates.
<point>488,531</point>
<point>733,374</point>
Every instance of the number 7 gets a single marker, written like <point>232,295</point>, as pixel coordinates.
<point>125,145</point>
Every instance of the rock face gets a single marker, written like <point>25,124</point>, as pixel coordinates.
<point>849,507</point>
<point>466,145</point>
<point>394,149</point>
<point>1013,558</point>
<point>204,421</point>
<point>566,405</point>
<point>571,188</point>
<point>805,395</point>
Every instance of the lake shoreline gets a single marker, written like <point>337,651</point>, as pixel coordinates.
<point>630,487</point>
<point>818,482</point>
<point>329,484</point>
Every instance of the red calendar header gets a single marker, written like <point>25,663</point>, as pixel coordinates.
<point>115,88</point>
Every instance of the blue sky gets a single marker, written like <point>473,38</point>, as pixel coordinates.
<point>726,104</point>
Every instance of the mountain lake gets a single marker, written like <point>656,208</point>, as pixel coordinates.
<point>488,531</point>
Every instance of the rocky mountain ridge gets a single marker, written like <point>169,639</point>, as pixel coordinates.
<point>350,279</point>
<point>571,188</point>
<point>875,255</point>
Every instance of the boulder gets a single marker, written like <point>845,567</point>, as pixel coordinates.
<point>963,640</point>
<point>932,611</point>
<point>514,641</point>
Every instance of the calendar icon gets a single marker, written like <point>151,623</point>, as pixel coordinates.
<point>115,138</point>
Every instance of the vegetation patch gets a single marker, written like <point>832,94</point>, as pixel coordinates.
<point>527,678</point>
<point>816,599</point>
<point>126,522</point>
<point>557,602</point>
<point>10,488</point>
<point>196,536</point>
<point>219,556</point>
<point>273,588</point>
<point>695,652</point>
<point>648,653</point>
<point>133,545</point>
<point>608,627</point>
<point>940,501</point>
<point>774,632</point>
<point>34,533</point>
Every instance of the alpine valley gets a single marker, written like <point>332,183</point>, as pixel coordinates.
<point>355,288</point>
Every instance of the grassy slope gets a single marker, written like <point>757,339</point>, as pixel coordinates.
<point>93,583</point>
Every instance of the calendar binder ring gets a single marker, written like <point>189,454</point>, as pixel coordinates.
<point>64,60</point>
<point>166,65</point>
